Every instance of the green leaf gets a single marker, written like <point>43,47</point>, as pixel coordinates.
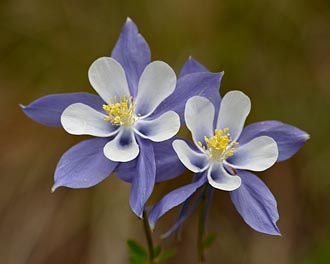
<point>137,260</point>
<point>136,249</point>
<point>138,255</point>
<point>156,250</point>
<point>166,255</point>
<point>209,240</point>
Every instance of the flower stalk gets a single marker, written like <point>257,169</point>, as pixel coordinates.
<point>201,227</point>
<point>147,232</point>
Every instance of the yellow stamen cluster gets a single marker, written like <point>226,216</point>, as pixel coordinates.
<point>220,146</point>
<point>120,113</point>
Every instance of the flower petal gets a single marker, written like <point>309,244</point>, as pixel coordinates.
<point>108,78</point>
<point>168,165</point>
<point>47,110</point>
<point>192,66</point>
<point>123,146</point>
<point>206,211</point>
<point>133,53</point>
<point>289,139</point>
<point>157,82</point>
<point>192,160</point>
<point>144,180</point>
<point>159,129</point>
<point>81,119</point>
<point>256,204</point>
<point>220,179</point>
<point>199,116</point>
<point>203,84</point>
<point>173,199</point>
<point>234,109</point>
<point>257,155</point>
<point>83,165</point>
<point>188,207</point>
<point>126,170</point>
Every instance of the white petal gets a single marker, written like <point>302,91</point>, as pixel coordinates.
<point>199,116</point>
<point>192,160</point>
<point>108,78</point>
<point>234,109</point>
<point>81,119</point>
<point>123,147</point>
<point>219,178</point>
<point>157,82</point>
<point>159,129</point>
<point>257,155</point>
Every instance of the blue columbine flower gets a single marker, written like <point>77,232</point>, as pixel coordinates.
<point>126,118</point>
<point>134,112</point>
<point>224,154</point>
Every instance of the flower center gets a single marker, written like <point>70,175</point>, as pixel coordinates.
<point>220,146</point>
<point>120,112</point>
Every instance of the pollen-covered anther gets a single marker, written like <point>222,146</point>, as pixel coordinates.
<point>120,112</point>
<point>219,146</point>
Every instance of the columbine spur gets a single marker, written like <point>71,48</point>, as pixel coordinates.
<point>135,110</point>
<point>223,152</point>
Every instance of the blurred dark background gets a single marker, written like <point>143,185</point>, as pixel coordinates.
<point>278,52</point>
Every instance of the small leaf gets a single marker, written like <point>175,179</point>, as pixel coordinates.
<point>137,251</point>
<point>209,240</point>
<point>166,255</point>
<point>156,250</point>
<point>137,260</point>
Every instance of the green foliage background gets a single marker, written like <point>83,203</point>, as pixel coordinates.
<point>278,52</point>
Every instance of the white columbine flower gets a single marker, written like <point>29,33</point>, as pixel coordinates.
<point>124,115</point>
<point>216,137</point>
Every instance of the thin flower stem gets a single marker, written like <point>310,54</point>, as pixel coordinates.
<point>147,232</point>
<point>201,229</point>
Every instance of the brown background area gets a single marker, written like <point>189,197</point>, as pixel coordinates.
<point>278,52</point>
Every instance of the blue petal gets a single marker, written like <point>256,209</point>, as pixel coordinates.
<point>256,204</point>
<point>47,110</point>
<point>84,165</point>
<point>173,199</point>
<point>168,165</point>
<point>188,207</point>
<point>289,139</point>
<point>144,179</point>
<point>192,66</point>
<point>203,84</point>
<point>133,53</point>
<point>209,198</point>
<point>126,170</point>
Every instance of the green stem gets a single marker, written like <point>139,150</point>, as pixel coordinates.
<point>147,232</point>
<point>200,234</point>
